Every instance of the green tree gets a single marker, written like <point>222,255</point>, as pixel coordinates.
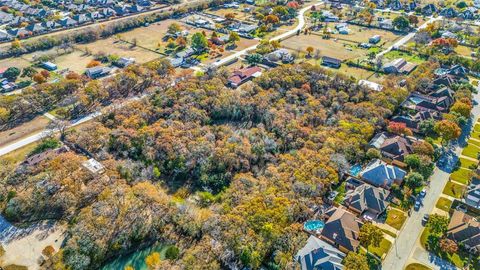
<point>354,261</point>
<point>413,161</point>
<point>447,130</point>
<point>401,23</point>
<point>233,37</point>
<point>172,253</point>
<point>174,28</point>
<point>199,42</point>
<point>254,59</point>
<point>11,73</point>
<point>370,235</point>
<point>373,153</point>
<point>414,180</point>
<point>437,224</point>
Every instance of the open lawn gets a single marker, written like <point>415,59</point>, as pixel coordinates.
<point>341,193</point>
<point>382,249</point>
<point>417,266</point>
<point>18,155</point>
<point>76,61</point>
<point>342,50</point>
<point>239,13</point>
<point>358,73</point>
<point>464,51</point>
<point>461,176</point>
<point>471,150</point>
<point>444,204</point>
<point>474,142</point>
<point>468,163</point>
<point>395,218</point>
<point>35,125</point>
<point>454,190</point>
<point>391,55</point>
<point>18,62</point>
<point>362,34</point>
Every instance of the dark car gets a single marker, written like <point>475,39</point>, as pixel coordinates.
<point>425,219</point>
<point>417,205</point>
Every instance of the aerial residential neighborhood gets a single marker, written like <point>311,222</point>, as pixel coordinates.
<point>251,134</point>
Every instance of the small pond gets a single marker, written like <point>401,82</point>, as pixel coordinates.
<point>135,259</point>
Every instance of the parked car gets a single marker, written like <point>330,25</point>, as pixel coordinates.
<point>423,193</point>
<point>461,208</point>
<point>417,205</point>
<point>425,219</point>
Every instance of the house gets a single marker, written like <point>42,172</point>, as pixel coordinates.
<point>49,66</point>
<point>328,16</point>
<point>458,71</point>
<point>19,32</point>
<point>411,6</point>
<point>448,34</point>
<point>448,12</point>
<point>240,76</point>
<point>231,5</point>
<point>395,5</point>
<point>34,160</point>
<point>371,85</point>
<point>418,102</point>
<point>124,62</point>
<point>35,28</point>
<point>97,72</point>
<point>386,24</point>
<point>392,146</point>
<point>465,230</point>
<point>341,229</point>
<point>176,62</point>
<point>67,22</point>
<point>413,121</point>
<point>429,9</point>
<point>331,62</point>
<point>444,80</point>
<point>468,13</point>
<point>279,55</point>
<point>367,201</point>
<point>380,174</point>
<point>185,53</point>
<point>318,254</point>
<point>472,195</point>
<point>4,36</point>
<point>7,86</point>
<point>94,166</point>
<point>399,65</point>
<point>49,25</point>
<point>375,39</point>
<point>81,18</point>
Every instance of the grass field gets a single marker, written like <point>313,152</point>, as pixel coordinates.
<point>454,190</point>
<point>444,204</point>
<point>417,266</point>
<point>391,55</point>
<point>36,125</point>
<point>468,163</point>
<point>362,34</point>
<point>395,218</point>
<point>382,249</point>
<point>461,176</point>
<point>471,150</point>
<point>342,50</point>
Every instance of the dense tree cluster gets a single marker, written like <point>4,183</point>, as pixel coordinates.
<point>227,175</point>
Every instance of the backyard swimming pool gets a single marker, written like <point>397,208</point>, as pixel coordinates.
<point>313,225</point>
<point>355,169</point>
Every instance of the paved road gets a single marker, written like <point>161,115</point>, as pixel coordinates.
<point>409,36</point>
<point>407,244</point>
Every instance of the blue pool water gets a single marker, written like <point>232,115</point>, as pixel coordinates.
<point>313,225</point>
<point>355,170</point>
<point>135,259</point>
